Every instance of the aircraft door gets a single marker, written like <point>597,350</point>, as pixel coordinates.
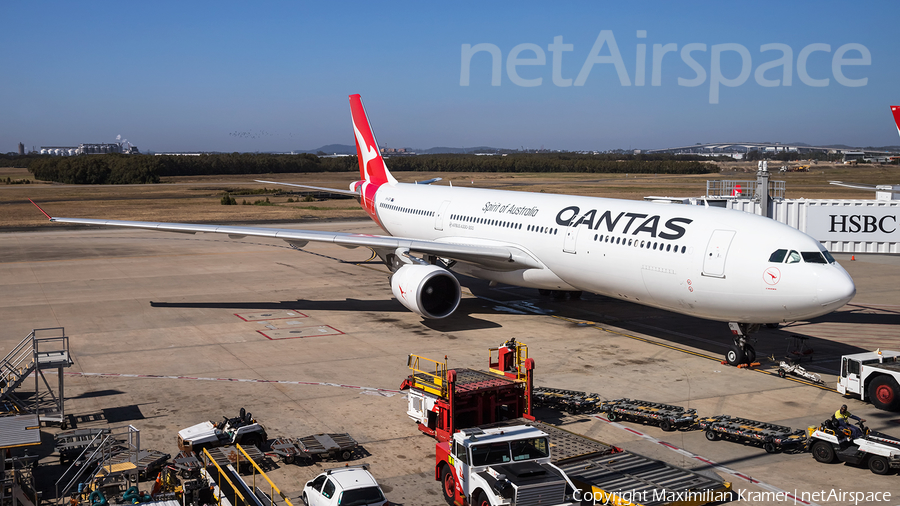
<point>461,464</point>
<point>716,252</point>
<point>439,217</point>
<point>571,236</point>
<point>850,376</point>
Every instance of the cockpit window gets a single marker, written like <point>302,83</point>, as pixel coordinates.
<point>828,256</point>
<point>813,257</point>
<point>793,257</point>
<point>778,256</point>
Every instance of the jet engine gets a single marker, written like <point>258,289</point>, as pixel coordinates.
<point>427,290</point>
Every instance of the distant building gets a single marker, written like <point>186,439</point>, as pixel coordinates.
<point>853,156</point>
<point>21,149</point>
<point>90,149</point>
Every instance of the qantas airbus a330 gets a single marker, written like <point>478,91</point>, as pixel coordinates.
<point>701,261</point>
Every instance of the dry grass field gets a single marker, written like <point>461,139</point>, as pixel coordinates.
<point>196,199</point>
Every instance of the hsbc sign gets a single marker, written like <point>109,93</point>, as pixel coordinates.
<point>844,223</point>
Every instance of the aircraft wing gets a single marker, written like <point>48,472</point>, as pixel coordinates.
<point>863,186</point>
<point>498,257</point>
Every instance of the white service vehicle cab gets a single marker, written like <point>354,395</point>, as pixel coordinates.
<point>344,486</point>
<point>505,466</point>
<point>874,376</point>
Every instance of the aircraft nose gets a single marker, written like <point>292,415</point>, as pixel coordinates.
<point>835,288</point>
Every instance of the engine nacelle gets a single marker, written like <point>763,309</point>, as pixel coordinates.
<point>427,290</point>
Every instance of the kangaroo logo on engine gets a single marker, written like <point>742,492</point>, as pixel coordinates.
<point>673,229</point>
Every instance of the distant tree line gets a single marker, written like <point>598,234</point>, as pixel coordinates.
<point>96,169</point>
<point>556,162</point>
<point>136,169</point>
<point>16,160</point>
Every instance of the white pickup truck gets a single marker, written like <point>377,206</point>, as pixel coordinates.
<point>874,376</point>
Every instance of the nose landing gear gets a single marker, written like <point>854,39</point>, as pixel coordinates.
<point>741,352</point>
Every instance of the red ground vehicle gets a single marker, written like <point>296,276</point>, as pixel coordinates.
<point>444,401</point>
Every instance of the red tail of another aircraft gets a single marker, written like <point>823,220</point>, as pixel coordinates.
<point>895,109</point>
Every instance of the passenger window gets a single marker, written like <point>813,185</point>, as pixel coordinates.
<point>778,256</point>
<point>328,489</point>
<point>793,257</point>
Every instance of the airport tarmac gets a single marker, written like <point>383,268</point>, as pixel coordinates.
<point>168,330</point>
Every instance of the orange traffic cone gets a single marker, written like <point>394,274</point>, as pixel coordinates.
<point>852,257</point>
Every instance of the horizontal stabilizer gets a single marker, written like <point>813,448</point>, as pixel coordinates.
<point>317,188</point>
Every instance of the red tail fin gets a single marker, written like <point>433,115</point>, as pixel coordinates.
<point>896,110</point>
<point>371,165</point>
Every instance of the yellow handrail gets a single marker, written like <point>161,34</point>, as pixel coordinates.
<point>521,353</point>
<point>256,467</point>
<point>223,475</point>
<point>439,376</point>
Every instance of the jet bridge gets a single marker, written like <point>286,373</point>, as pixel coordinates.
<point>841,225</point>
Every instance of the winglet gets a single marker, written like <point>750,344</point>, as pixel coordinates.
<point>41,210</point>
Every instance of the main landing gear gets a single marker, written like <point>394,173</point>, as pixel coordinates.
<point>741,352</point>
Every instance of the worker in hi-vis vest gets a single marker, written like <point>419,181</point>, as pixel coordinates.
<point>842,416</point>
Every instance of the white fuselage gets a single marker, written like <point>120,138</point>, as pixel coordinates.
<point>702,261</point>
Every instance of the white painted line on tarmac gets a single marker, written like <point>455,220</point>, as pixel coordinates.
<point>714,465</point>
<point>386,392</point>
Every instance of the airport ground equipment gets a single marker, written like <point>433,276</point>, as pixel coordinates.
<point>443,401</point>
<point>873,376</point>
<point>324,446</point>
<point>797,349</point>
<point>42,349</point>
<point>571,401</point>
<point>229,487</point>
<point>772,438</point>
<point>785,368</point>
<point>72,443</point>
<point>239,455</point>
<point>880,452</point>
<point>187,464</point>
<point>666,416</point>
<point>600,473</point>
<point>241,429</point>
<point>505,465</point>
<point>148,462</point>
<point>111,463</point>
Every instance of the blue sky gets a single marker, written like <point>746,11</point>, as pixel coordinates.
<point>274,76</point>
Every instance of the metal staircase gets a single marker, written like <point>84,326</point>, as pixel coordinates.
<point>41,349</point>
